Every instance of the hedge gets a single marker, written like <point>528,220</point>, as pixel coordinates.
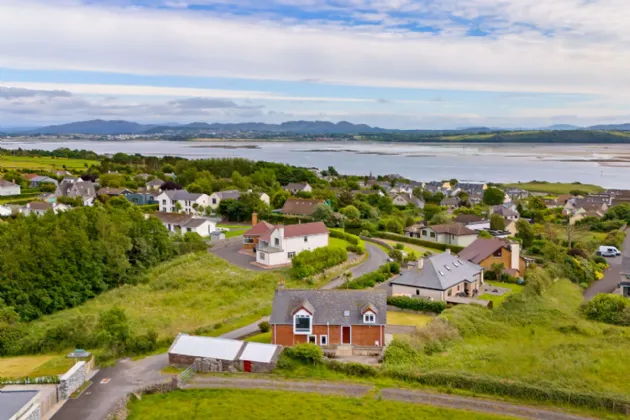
<point>416,241</point>
<point>357,249</point>
<point>277,218</point>
<point>415,304</point>
<point>353,239</point>
<point>372,279</point>
<point>308,263</point>
<point>516,389</point>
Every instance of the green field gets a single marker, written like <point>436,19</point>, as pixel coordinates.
<point>536,340</point>
<point>260,338</point>
<point>278,405</point>
<point>34,366</point>
<point>403,318</point>
<point>183,295</point>
<point>337,243</point>
<point>44,163</point>
<point>555,188</point>
<point>498,300</point>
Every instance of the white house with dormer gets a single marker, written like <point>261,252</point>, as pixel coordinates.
<point>189,203</point>
<point>279,244</point>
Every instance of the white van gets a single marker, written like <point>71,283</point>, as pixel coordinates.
<point>608,251</point>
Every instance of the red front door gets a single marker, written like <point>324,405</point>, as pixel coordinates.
<point>247,366</point>
<point>346,335</point>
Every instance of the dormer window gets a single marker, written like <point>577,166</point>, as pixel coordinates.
<point>369,318</point>
<point>302,324</point>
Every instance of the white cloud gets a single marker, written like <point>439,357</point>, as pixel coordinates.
<point>174,42</point>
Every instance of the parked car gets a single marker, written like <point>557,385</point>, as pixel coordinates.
<point>608,251</point>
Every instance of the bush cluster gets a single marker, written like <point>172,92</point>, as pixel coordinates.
<point>305,353</point>
<point>384,273</point>
<point>309,263</point>
<point>611,309</point>
<point>353,239</point>
<point>357,249</point>
<point>416,241</point>
<point>422,305</point>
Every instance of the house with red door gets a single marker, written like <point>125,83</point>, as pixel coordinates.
<point>329,318</point>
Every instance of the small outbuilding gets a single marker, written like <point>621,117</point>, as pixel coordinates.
<point>217,235</point>
<point>223,355</point>
<point>20,405</point>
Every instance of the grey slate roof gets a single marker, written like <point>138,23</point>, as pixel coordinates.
<point>83,189</point>
<point>504,211</point>
<point>13,401</point>
<point>296,186</point>
<point>182,195</point>
<point>329,306</point>
<point>6,184</point>
<point>440,272</point>
<point>229,195</point>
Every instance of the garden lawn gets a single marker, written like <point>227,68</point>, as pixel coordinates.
<point>417,249</point>
<point>497,300</point>
<point>194,293</point>
<point>404,318</point>
<point>535,340</point>
<point>278,405</point>
<point>46,163</point>
<point>235,230</point>
<point>34,366</point>
<point>555,188</point>
<point>337,243</point>
<point>260,338</point>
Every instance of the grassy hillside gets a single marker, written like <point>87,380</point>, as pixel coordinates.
<point>44,163</point>
<point>536,340</point>
<point>198,292</point>
<point>276,405</point>
<point>555,188</point>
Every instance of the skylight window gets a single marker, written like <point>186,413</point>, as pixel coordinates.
<point>441,273</point>
<point>447,267</point>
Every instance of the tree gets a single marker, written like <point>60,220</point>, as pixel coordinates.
<point>525,232</point>
<point>304,194</point>
<point>431,210</point>
<point>168,169</point>
<point>323,213</point>
<point>279,198</point>
<point>611,309</point>
<point>113,328</point>
<point>332,171</point>
<point>345,198</point>
<point>351,212</point>
<point>439,219</point>
<point>493,196</point>
<point>536,203</point>
<point>577,192</point>
<point>170,185</point>
<point>619,212</point>
<point>239,181</point>
<point>497,222</point>
<point>485,234</point>
<point>234,210</point>
<point>497,270</point>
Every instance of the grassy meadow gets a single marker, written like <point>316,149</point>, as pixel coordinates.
<point>403,318</point>
<point>537,340</point>
<point>278,405</point>
<point>34,366</point>
<point>44,163</point>
<point>556,188</point>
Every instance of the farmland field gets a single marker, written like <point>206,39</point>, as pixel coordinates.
<point>44,163</point>
<point>34,366</point>
<point>555,188</point>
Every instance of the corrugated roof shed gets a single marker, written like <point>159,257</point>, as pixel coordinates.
<point>206,347</point>
<point>258,352</point>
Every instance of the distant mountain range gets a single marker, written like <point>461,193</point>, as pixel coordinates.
<point>115,127</point>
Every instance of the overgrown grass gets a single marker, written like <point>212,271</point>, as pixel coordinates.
<point>260,338</point>
<point>498,300</point>
<point>537,340</point>
<point>404,318</point>
<point>556,188</point>
<point>34,366</point>
<point>44,163</point>
<point>272,405</point>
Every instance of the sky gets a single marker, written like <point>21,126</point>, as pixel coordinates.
<point>408,64</point>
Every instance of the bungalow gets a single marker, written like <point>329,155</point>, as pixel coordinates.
<point>404,199</point>
<point>470,187</point>
<point>296,187</point>
<point>280,244</point>
<point>178,222</point>
<point>451,203</point>
<point>215,198</point>
<point>114,192</point>
<point>439,278</point>
<point>329,318</point>
<point>39,208</point>
<point>300,206</point>
<point>143,198</point>
<point>454,234</point>
<point>258,230</point>
<point>37,180</point>
<point>8,188</point>
<point>506,212</point>
<point>486,252</point>
<point>77,189</point>
<point>473,222</point>
<point>154,184</point>
<point>517,194</point>
<point>188,202</point>
<point>415,231</point>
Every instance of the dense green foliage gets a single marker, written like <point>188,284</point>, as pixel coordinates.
<point>384,273</point>
<point>416,241</point>
<point>308,263</point>
<point>353,239</point>
<point>611,309</point>
<point>420,305</point>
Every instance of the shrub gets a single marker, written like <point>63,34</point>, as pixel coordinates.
<point>400,247</point>
<point>357,249</point>
<point>353,239</point>
<point>352,369</point>
<point>308,263</point>
<point>264,327</point>
<point>611,309</point>
<point>416,241</point>
<point>422,305</point>
<point>305,353</point>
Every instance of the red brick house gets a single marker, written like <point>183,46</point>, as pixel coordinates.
<point>329,318</point>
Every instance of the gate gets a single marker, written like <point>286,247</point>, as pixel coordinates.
<point>187,374</point>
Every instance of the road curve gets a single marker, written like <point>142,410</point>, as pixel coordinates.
<point>376,258</point>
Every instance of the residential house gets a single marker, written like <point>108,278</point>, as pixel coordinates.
<point>8,188</point>
<point>180,222</point>
<point>279,245</point>
<point>329,318</point>
<point>258,230</point>
<point>440,278</point>
<point>414,231</point>
<point>573,205</point>
<point>404,199</point>
<point>37,180</point>
<point>189,203</point>
<point>469,188</point>
<point>510,226</point>
<point>475,199</point>
<point>39,208</point>
<point>217,197</point>
<point>71,179</point>
<point>77,189</point>
<point>587,210</point>
<point>154,184</point>
<point>517,194</point>
<point>114,192</point>
<point>506,212</point>
<point>473,222</point>
<point>5,211</point>
<point>401,189</point>
<point>486,252</point>
<point>143,198</point>
<point>215,354</point>
<point>296,187</point>
<point>453,234</point>
<point>300,206</point>
<point>451,203</point>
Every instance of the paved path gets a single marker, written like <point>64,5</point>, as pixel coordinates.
<point>245,331</point>
<point>394,394</point>
<point>376,258</point>
<point>612,277</point>
<point>231,254</point>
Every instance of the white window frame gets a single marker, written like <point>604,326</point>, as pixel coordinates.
<point>290,255</point>
<point>306,239</point>
<point>309,337</point>
<point>303,314</point>
<point>323,340</point>
<point>369,318</point>
<point>261,255</point>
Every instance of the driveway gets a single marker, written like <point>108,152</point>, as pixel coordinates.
<point>376,258</point>
<point>126,377</point>
<point>612,277</point>
<point>231,254</point>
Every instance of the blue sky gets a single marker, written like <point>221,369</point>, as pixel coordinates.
<point>391,63</point>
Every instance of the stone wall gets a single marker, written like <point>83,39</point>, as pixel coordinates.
<point>378,242</point>
<point>34,414</point>
<point>73,379</point>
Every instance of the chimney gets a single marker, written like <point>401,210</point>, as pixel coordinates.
<point>515,247</point>
<point>254,219</point>
<point>420,264</point>
<point>448,251</point>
